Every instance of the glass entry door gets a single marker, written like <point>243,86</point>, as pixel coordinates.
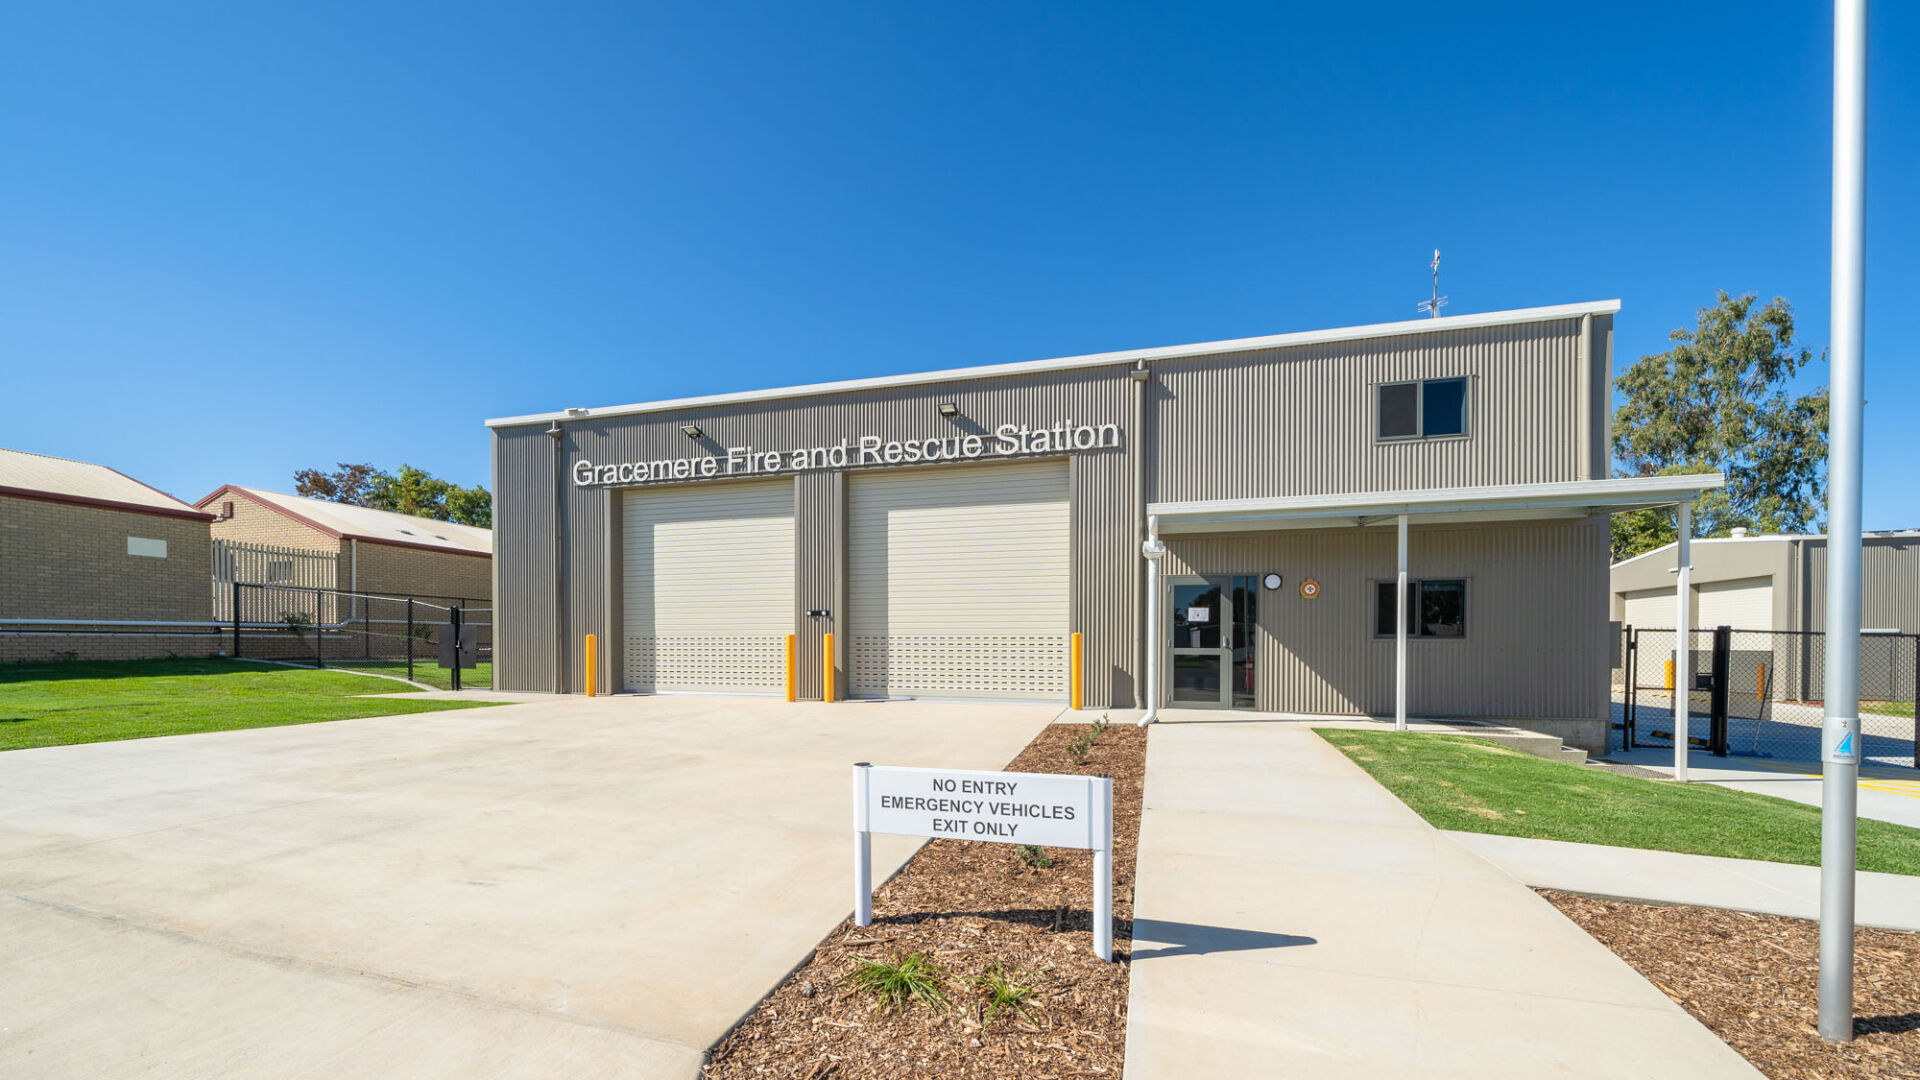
<point>1211,642</point>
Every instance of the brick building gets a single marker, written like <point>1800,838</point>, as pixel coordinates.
<point>376,551</point>
<point>97,565</point>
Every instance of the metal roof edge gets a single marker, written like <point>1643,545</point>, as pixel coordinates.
<point>1571,490</point>
<point>1515,317</point>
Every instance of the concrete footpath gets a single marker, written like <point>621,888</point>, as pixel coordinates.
<point>1886,794</point>
<point>1292,918</point>
<point>1890,901</point>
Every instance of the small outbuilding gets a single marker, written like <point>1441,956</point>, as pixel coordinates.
<point>1771,581</point>
<point>97,565</point>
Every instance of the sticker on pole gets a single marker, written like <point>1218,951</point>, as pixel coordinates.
<point>1840,740</point>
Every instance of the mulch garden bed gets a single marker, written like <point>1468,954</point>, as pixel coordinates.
<point>1753,980</point>
<point>969,906</point>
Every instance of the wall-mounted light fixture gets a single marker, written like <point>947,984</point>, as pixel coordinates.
<point>949,409</point>
<point>692,431</point>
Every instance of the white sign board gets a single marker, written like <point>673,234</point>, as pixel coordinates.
<point>1042,809</point>
<point>1199,614</point>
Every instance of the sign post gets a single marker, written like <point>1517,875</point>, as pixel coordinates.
<point>1042,809</point>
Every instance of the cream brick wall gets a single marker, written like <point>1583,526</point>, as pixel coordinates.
<point>63,561</point>
<point>252,523</point>
<point>17,648</point>
<point>397,571</point>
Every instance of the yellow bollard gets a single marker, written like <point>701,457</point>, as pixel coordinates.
<point>826,668</point>
<point>1078,688</point>
<point>793,672</point>
<point>590,672</point>
<point>1669,675</point>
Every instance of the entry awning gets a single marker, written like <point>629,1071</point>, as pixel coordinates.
<point>1505,502</point>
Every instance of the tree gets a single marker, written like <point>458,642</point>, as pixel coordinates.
<point>348,484</point>
<point>408,491</point>
<point>1720,400</point>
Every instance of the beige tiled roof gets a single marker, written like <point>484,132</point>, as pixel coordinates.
<point>369,524</point>
<point>24,471</point>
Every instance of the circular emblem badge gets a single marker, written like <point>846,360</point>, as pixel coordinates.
<point>1271,581</point>
<point>1309,589</point>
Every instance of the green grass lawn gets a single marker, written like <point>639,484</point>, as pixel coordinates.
<point>478,677</point>
<point>52,704</point>
<point>1473,785</point>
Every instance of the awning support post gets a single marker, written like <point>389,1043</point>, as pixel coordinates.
<point>1683,645</point>
<point>1400,635</point>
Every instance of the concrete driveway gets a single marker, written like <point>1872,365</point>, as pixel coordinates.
<point>563,888</point>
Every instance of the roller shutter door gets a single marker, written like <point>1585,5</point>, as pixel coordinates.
<point>707,593</point>
<point>1744,605</point>
<point>1650,609</point>
<point>957,581</point>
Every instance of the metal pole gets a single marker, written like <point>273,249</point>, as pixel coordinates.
<point>236,620</point>
<point>1400,636</point>
<point>453,621</point>
<point>1103,868</point>
<point>862,849</point>
<point>1683,646</point>
<point>1914,640</point>
<point>1840,790</point>
<point>319,631</point>
<point>409,639</point>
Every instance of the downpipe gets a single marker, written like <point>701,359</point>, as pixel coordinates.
<point>1153,550</point>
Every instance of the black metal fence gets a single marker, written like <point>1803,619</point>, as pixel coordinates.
<point>1758,693</point>
<point>400,635</point>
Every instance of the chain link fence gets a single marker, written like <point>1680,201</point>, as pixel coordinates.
<point>1759,693</point>
<point>398,635</point>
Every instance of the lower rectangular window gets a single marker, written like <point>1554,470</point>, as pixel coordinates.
<point>1436,608</point>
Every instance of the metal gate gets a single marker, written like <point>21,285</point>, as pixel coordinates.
<point>1758,693</point>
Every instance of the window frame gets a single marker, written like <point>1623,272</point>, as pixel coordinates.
<point>1420,409</point>
<point>1413,607</point>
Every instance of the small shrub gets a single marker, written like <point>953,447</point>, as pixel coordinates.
<point>901,983</point>
<point>1003,990</point>
<point>1078,749</point>
<point>1035,856</point>
<point>296,622</point>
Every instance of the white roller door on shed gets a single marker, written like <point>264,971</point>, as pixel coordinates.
<point>958,581</point>
<point>1649,609</point>
<point>707,591</point>
<point>1746,604</point>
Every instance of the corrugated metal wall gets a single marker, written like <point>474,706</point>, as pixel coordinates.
<point>1889,584</point>
<point>524,585</point>
<point>1288,421</point>
<point>1299,421</point>
<point>1535,645</point>
<point>819,537</point>
<point>1088,397</point>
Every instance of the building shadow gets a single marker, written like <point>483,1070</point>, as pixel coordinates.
<point>1155,939</point>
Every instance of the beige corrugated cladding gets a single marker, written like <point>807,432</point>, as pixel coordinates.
<point>1282,421</point>
<point>707,595</point>
<point>958,581</point>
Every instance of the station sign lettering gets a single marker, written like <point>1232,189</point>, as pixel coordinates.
<point>1007,440</point>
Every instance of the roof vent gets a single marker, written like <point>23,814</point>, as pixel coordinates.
<point>1740,532</point>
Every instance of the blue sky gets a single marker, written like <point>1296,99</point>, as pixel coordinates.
<point>237,239</point>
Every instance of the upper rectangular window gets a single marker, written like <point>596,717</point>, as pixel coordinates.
<point>1429,409</point>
